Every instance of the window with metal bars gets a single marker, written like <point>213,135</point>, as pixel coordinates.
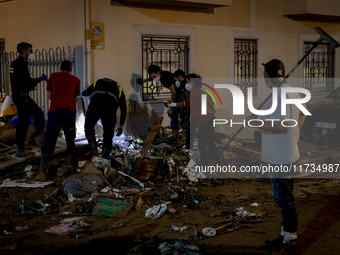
<point>2,68</point>
<point>170,53</point>
<point>245,64</point>
<point>318,67</point>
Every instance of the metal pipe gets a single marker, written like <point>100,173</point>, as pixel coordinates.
<point>85,45</point>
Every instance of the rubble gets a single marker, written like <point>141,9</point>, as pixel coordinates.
<point>134,185</point>
<point>24,184</point>
<point>112,208</point>
<point>82,184</point>
<point>156,211</point>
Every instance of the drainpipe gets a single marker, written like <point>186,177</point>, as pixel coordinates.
<point>86,50</point>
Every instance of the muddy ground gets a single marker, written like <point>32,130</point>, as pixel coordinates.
<point>318,204</point>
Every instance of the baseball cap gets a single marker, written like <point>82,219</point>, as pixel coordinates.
<point>274,68</point>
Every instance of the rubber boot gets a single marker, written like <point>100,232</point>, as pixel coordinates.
<point>183,136</point>
<point>40,140</point>
<point>43,170</point>
<point>43,162</point>
<point>173,137</point>
<point>22,152</point>
<point>106,152</point>
<point>74,163</point>
<point>93,149</point>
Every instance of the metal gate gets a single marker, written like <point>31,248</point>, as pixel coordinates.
<point>46,62</point>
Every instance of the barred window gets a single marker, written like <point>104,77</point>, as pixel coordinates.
<point>245,64</point>
<point>318,67</point>
<point>170,53</point>
<point>2,68</point>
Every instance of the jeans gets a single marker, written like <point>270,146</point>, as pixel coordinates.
<point>57,119</point>
<point>283,190</point>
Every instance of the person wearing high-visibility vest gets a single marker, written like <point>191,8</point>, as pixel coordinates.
<point>106,96</point>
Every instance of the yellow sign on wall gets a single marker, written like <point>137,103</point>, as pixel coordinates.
<point>97,36</point>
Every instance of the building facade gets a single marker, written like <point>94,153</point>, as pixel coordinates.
<point>220,39</point>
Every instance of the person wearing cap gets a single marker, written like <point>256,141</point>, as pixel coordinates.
<point>106,96</point>
<point>280,147</point>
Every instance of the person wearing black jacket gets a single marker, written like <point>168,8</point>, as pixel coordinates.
<point>167,79</point>
<point>106,97</point>
<point>21,85</point>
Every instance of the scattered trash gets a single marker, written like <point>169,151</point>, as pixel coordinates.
<point>81,163</point>
<point>255,204</point>
<point>91,197</point>
<point>71,198</point>
<point>36,153</point>
<point>139,202</point>
<point>29,174</point>
<point>31,205</point>
<point>174,196</point>
<point>191,173</point>
<point>181,248</point>
<point>82,184</point>
<point>28,168</point>
<point>61,229</point>
<point>155,211</point>
<point>145,169</point>
<point>171,210</point>
<point>209,232</point>
<point>133,179</point>
<point>243,213</point>
<point>104,190</point>
<point>166,248</point>
<point>111,208</point>
<point>180,229</point>
<point>18,229</point>
<point>101,163</point>
<point>162,146</point>
<point>23,184</point>
<point>235,144</point>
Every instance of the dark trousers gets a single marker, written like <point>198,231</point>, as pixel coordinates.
<point>206,140</point>
<point>108,119</point>
<point>283,190</point>
<point>26,107</point>
<point>57,119</point>
<point>173,114</point>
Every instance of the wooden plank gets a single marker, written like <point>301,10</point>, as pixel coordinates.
<point>151,136</point>
<point>11,162</point>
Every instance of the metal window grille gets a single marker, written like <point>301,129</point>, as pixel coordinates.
<point>170,53</point>
<point>2,68</point>
<point>245,63</point>
<point>318,67</point>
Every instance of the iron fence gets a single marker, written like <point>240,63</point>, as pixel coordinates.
<point>46,62</point>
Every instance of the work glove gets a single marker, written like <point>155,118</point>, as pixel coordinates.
<point>140,81</point>
<point>44,77</point>
<point>166,103</point>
